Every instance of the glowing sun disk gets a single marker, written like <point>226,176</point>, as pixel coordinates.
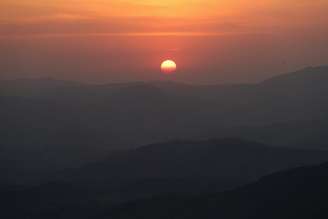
<point>168,67</point>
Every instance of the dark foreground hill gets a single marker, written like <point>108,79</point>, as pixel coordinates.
<point>228,158</point>
<point>184,169</point>
<point>299,193</point>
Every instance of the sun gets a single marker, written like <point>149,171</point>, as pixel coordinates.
<point>168,67</point>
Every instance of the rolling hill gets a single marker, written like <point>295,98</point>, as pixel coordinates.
<point>191,170</point>
<point>296,193</point>
<point>48,125</point>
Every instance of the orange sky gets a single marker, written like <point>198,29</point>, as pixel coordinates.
<point>156,16</point>
<point>235,40</point>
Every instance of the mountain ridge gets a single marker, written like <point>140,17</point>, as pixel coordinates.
<point>317,71</point>
<point>76,125</point>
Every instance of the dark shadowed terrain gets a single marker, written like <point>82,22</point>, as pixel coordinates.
<point>300,193</point>
<point>297,193</point>
<point>165,149</point>
<point>49,125</point>
<point>160,176</point>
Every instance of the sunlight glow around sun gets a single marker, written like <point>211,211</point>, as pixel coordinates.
<point>168,67</point>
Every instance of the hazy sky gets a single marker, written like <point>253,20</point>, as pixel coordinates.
<point>123,40</point>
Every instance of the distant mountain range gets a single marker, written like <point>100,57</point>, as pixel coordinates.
<point>49,125</point>
<point>71,150</point>
<point>232,159</point>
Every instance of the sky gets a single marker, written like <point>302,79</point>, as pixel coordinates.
<point>212,41</point>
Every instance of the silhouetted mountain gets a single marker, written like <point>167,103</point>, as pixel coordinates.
<point>298,193</point>
<point>49,125</point>
<point>190,167</point>
<point>222,159</point>
<point>181,167</point>
<point>307,78</point>
<point>299,134</point>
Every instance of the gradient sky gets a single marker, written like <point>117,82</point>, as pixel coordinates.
<point>212,41</point>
